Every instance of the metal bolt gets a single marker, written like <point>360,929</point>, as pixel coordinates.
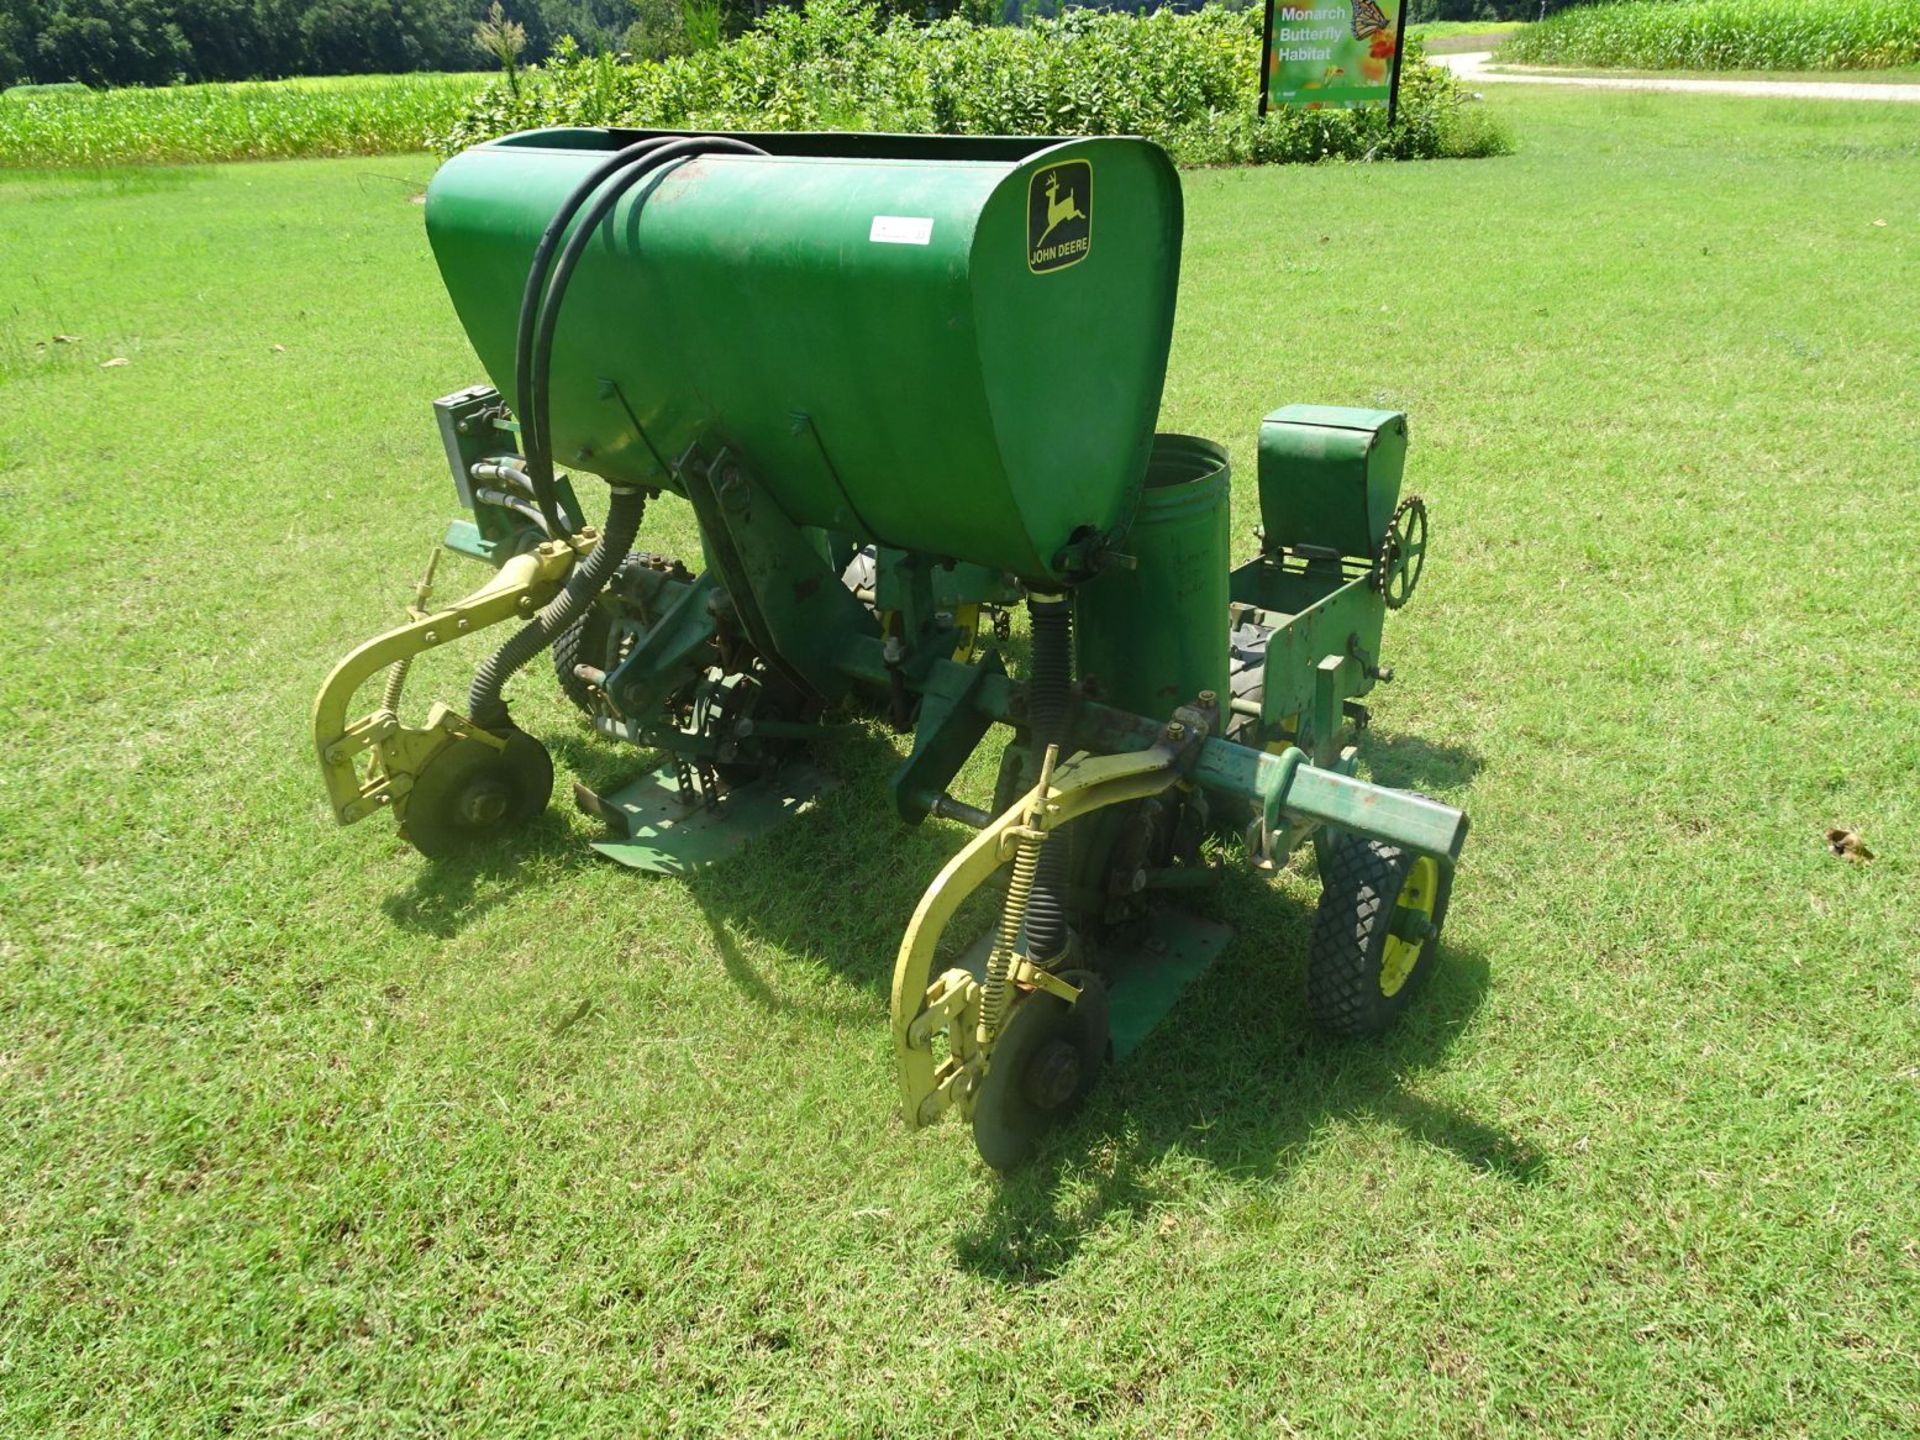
<point>1176,730</point>
<point>1209,699</point>
<point>432,637</point>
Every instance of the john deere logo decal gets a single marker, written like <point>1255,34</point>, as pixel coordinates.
<point>1059,216</point>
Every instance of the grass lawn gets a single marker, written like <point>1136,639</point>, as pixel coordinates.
<point>1455,37</point>
<point>305,1136</point>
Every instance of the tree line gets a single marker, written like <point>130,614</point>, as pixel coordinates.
<point>164,42</point>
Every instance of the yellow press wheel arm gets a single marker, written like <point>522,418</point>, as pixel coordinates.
<point>924,1005</point>
<point>400,752</point>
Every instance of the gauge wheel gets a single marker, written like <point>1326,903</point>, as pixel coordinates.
<point>470,792</point>
<point>1044,1064</point>
<point>1375,935</point>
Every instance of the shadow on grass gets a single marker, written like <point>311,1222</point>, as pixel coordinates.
<point>752,892</point>
<point>1236,1079</point>
<point>835,885</point>
<point>448,895</point>
<point>1408,762</point>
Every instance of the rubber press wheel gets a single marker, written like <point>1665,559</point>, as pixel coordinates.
<point>470,792</point>
<point>1044,1065</point>
<point>1375,934</point>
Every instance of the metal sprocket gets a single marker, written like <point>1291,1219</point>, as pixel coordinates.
<point>1402,554</point>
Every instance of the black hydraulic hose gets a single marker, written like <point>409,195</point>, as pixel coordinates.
<point>485,704</point>
<point>1049,716</point>
<point>530,436</point>
<point>540,455</point>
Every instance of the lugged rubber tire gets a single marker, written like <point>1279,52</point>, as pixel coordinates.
<point>583,642</point>
<point>1350,930</point>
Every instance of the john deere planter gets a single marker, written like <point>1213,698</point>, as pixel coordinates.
<point>908,386</point>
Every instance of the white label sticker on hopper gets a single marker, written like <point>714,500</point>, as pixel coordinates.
<point>901,229</point>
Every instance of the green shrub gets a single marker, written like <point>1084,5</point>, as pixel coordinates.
<point>1725,35</point>
<point>1186,80</point>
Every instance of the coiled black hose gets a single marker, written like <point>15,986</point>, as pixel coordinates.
<point>1049,717</point>
<point>484,703</point>
<point>540,351</point>
<point>532,436</point>
<point>534,357</point>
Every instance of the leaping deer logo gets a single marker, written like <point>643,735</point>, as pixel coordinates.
<point>1059,211</point>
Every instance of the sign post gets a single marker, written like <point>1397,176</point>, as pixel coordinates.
<point>1333,54</point>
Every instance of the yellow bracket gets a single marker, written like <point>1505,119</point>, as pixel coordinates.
<point>522,586</point>
<point>923,1006</point>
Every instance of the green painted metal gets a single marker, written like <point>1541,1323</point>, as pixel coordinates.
<point>1225,768</point>
<point>1329,476</point>
<point>1152,634</point>
<point>858,318</point>
<point>671,654</point>
<point>657,830</point>
<point>948,728</point>
<point>1295,797</point>
<point>464,537</point>
<point>1398,817</point>
<point>788,600</point>
<point>474,428</point>
<point>1317,611</point>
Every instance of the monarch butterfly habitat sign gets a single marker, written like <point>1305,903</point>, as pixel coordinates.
<point>1332,54</point>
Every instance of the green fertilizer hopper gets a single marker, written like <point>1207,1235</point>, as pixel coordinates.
<point>908,386</point>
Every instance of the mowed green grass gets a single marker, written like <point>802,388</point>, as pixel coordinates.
<point>306,1136</point>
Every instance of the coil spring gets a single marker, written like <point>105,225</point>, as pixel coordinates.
<point>993,994</point>
<point>397,675</point>
<point>396,683</point>
<point>1049,711</point>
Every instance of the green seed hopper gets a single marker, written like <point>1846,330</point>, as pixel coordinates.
<point>908,386</point>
